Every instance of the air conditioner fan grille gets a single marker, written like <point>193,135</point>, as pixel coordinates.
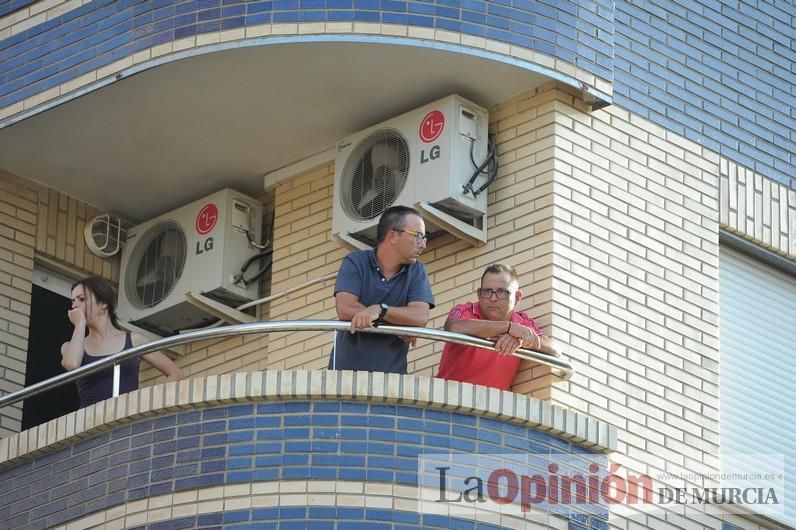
<point>159,261</point>
<point>374,174</point>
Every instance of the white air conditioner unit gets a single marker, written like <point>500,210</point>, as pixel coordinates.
<point>198,248</point>
<point>424,159</point>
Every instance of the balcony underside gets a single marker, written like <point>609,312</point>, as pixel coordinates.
<point>184,128</point>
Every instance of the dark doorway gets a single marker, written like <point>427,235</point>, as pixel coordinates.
<point>49,328</point>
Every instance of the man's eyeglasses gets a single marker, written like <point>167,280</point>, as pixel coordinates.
<point>420,237</point>
<point>501,294</point>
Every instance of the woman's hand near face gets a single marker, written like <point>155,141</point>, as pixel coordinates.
<point>77,317</point>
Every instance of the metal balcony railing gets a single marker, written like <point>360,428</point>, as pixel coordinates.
<point>563,367</point>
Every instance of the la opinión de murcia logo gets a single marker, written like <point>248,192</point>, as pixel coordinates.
<point>543,485</point>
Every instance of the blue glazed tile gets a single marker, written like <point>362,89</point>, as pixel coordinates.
<point>322,512</point>
<point>326,406</point>
<point>436,441</point>
<point>350,513</point>
<point>295,459</point>
<point>214,465</point>
<point>393,5</point>
<point>381,421</point>
<point>325,459</point>
<point>395,18</point>
<point>347,460</point>
<point>473,29</point>
<point>409,450</point>
<point>447,12</point>
<point>269,447</point>
<point>265,514</point>
<point>200,481</point>
<point>352,474</point>
<point>266,408</point>
<point>268,461</point>
<point>235,517</point>
<point>378,515</point>
<point>405,424</point>
<point>214,426</point>
<point>186,7</point>
<point>188,430</point>
<point>140,466</point>
<point>353,420</point>
<point>294,421</point>
<point>259,18</point>
<point>324,447</point>
<point>289,512</point>
<point>268,421</point>
<point>22,70</point>
<point>319,473</point>
<point>408,437</point>
<point>192,455</point>
<point>239,476</point>
<point>380,448</point>
<point>241,423</point>
<point>164,447</point>
<point>265,474</point>
<point>367,5</point>
<point>382,434</point>
<point>239,463</point>
<point>385,410</point>
<point>327,433</point>
<point>162,435</point>
<point>207,14</point>
<point>138,493</point>
<point>420,8</point>
<point>301,433</point>
<point>159,489</point>
<point>245,449</point>
<point>211,518</point>
<point>293,525</point>
<point>409,412</point>
<point>298,447</point>
<point>234,11</point>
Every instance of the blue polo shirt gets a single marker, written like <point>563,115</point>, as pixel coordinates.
<point>360,275</point>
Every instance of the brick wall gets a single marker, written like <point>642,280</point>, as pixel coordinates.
<point>36,223</point>
<point>716,73</point>
<point>635,286</point>
<point>18,207</point>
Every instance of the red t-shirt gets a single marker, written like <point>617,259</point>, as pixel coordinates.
<point>477,365</point>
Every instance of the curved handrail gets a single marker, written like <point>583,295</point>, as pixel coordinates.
<point>266,327</point>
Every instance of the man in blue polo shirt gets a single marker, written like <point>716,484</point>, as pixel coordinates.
<point>387,285</point>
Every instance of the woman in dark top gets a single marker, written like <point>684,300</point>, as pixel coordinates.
<point>94,308</point>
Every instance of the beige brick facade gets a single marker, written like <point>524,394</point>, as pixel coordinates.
<point>37,226</point>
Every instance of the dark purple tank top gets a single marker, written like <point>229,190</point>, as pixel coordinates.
<point>99,386</point>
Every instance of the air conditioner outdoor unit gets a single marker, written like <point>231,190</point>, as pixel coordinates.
<point>198,248</point>
<point>424,159</point>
